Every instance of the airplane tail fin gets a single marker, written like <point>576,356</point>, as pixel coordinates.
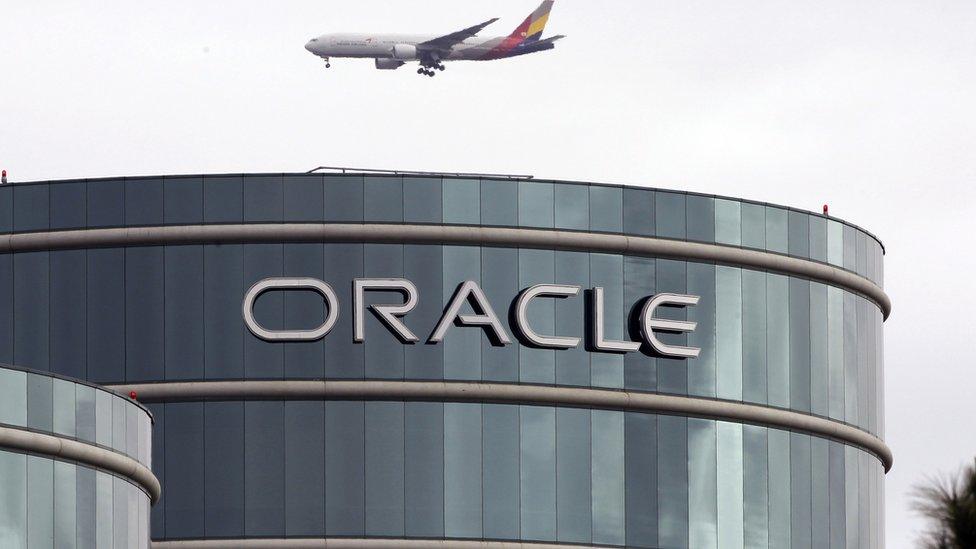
<point>530,31</point>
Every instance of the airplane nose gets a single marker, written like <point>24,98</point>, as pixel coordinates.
<point>309,45</point>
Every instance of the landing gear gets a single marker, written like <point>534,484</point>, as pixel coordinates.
<point>328,65</point>
<point>427,69</point>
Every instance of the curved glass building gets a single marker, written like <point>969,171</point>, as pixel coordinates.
<point>74,464</point>
<point>422,361</point>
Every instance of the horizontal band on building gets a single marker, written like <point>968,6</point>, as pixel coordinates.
<point>502,393</point>
<point>82,453</point>
<point>447,235</point>
<point>356,543</point>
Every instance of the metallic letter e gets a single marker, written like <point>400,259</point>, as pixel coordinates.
<point>649,324</point>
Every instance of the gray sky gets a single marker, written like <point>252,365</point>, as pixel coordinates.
<point>865,105</point>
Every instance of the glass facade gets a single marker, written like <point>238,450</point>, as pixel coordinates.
<point>48,503</point>
<point>766,338</point>
<point>289,198</point>
<point>511,472</point>
<point>272,469</point>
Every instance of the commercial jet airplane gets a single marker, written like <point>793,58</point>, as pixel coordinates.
<point>392,51</point>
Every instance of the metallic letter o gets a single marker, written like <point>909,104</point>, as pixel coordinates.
<point>291,284</point>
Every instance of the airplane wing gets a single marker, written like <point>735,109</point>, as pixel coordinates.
<point>448,41</point>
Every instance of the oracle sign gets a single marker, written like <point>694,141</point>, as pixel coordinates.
<point>483,315</point>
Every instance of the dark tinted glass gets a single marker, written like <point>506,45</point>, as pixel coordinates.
<point>462,201</point>
<point>753,226</point>
<point>304,468</point>
<point>574,501</point>
<point>69,307</point>
<point>223,199</point>
<point>462,470</point>
<point>701,218</point>
<point>384,469</point>
<point>799,234</point>
<point>538,463</point>
<point>536,207</point>
<point>6,208</point>
<point>606,209</point>
<point>818,238</point>
<point>31,204</point>
<point>144,307</point>
<point>343,199</point>
<point>68,209</point>
<point>572,203</point>
<point>640,471</point>
<point>105,203</point>
<point>304,198</point>
<point>345,483</point>
<point>755,496</point>
<point>499,202</point>
<point>224,468</point>
<point>753,336</point>
<point>184,312</point>
<point>670,212</point>
<point>185,482</point>
<point>638,211</point>
<point>183,200</point>
<point>264,483</point>
<point>423,467</point>
<point>422,200</point>
<point>608,477</point>
<point>106,299</point>
<point>384,199</point>
<point>263,199</point>
<point>40,403</point>
<point>31,277</point>
<point>672,474</point>
<point>223,286</point>
<point>800,344</point>
<point>143,201</point>
<point>777,230</point>
<point>501,471</point>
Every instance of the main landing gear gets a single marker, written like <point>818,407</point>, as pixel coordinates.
<point>427,69</point>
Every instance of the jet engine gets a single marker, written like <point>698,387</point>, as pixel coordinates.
<point>388,64</point>
<point>404,52</point>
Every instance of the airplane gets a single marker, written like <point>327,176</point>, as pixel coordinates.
<point>392,51</point>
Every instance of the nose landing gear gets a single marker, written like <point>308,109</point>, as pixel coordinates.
<point>328,65</point>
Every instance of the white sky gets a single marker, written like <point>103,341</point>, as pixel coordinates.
<point>867,105</point>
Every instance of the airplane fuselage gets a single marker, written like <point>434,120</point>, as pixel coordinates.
<point>384,46</point>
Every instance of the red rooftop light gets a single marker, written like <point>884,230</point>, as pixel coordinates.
<point>826,209</point>
<point>132,395</point>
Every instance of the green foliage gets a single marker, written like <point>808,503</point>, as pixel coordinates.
<point>949,503</point>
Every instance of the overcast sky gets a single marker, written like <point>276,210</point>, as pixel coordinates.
<point>867,105</point>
